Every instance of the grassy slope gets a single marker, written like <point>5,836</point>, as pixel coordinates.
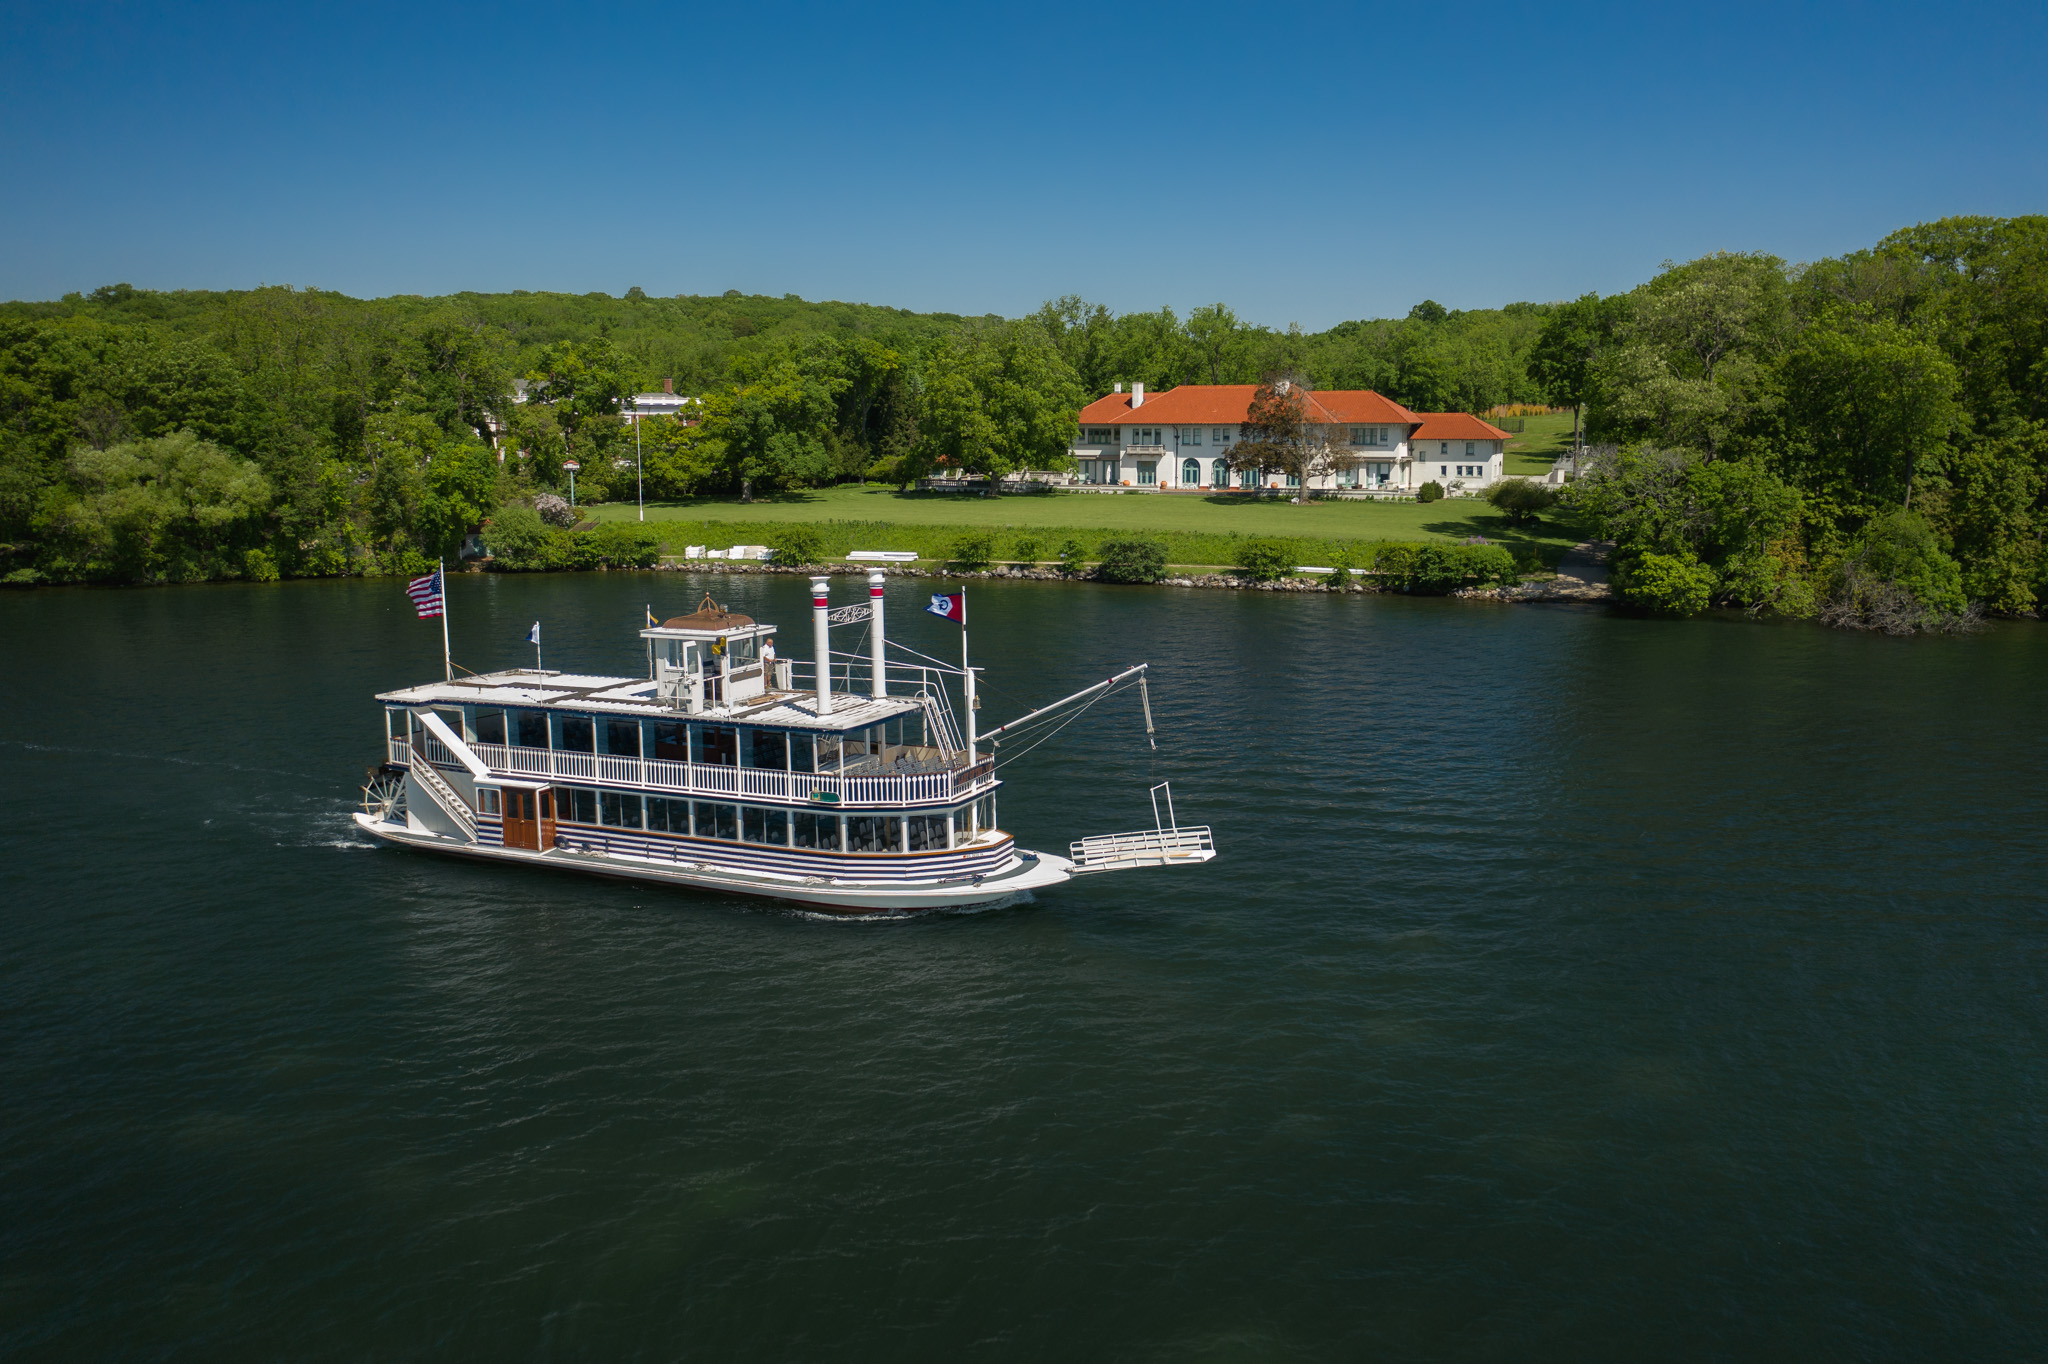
<point>1536,449</point>
<point>1198,530</point>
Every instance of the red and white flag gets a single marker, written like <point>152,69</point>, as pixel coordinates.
<point>951,605</point>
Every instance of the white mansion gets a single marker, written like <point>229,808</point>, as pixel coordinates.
<point>1181,439</point>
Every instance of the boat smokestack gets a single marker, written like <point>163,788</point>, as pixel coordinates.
<point>875,601</point>
<point>821,641</point>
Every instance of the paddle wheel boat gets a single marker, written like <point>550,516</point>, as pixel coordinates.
<point>731,768</point>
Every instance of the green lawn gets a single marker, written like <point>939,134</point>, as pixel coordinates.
<point>1198,530</point>
<point>1534,450</point>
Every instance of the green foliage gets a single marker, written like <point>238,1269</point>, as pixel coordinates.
<point>1667,584</point>
<point>1435,570</point>
<point>171,509</point>
<point>1265,560</point>
<point>1896,578</point>
<point>995,400</point>
<point>1132,561</point>
<point>975,549</point>
<point>1521,500</point>
<point>797,544</point>
<point>1025,550</point>
<point>1071,553</point>
<point>1431,491</point>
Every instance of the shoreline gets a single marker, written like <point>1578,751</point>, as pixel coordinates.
<point>1561,587</point>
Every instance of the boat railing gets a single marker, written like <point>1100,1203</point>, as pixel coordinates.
<point>398,752</point>
<point>713,779</point>
<point>1145,847</point>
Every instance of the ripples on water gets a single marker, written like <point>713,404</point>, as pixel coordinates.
<point>1568,986</point>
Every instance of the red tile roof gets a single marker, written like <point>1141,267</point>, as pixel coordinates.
<point>1456,426</point>
<point>1200,404</point>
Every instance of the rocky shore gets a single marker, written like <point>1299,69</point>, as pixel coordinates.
<point>1565,586</point>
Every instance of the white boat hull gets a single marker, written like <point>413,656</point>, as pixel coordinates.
<point>1026,871</point>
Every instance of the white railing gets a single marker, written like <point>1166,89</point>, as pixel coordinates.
<point>445,796</point>
<point>1144,848</point>
<point>398,751</point>
<point>661,774</point>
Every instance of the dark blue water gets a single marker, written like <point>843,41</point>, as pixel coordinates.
<point>1567,987</point>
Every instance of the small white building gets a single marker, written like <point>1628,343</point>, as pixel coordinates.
<point>1181,439</point>
<point>667,403</point>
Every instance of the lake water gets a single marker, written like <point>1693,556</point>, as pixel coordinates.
<point>1567,987</point>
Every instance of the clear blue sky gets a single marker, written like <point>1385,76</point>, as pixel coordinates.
<point>1303,164</point>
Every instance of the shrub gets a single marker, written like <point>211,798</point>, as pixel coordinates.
<point>625,544</point>
<point>259,567</point>
<point>1521,499</point>
<point>1025,550</point>
<point>797,544</point>
<point>1133,561</point>
<point>1071,553</point>
<point>516,532</point>
<point>1434,570</point>
<point>554,511</point>
<point>1898,580</point>
<point>1667,584</point>
<point>976,549</point>
<point>1431,491</point>
<point>1263,561</point>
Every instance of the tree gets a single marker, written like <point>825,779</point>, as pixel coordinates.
<point>1871,399</point>
<point>1521,500</point>
<point>1694,347</point>
<point>770,430</point>
<point>1217,339</point>
<point>996,401</point>
<point>1283,434</point>
<point>1562,359</point>
<point>579,382</point>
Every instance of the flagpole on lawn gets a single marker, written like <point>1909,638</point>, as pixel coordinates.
<point>968,672</point>
<point>447,659</point>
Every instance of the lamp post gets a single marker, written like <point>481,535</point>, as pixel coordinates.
<point>639,467</point>
<point>572,466</point>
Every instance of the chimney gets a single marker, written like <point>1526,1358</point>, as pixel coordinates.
<point>1137,395</point>
<point>668,385</point>
<point>1118,388</point>
<point>875,636</point>
<point>821,640</point>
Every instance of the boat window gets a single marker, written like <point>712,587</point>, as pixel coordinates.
<point>622,738</point>
<point>668,816</point>
<point>715,745</point>
<point>927,833</point>
<point>985,813</point>
<point>828,752</point>
<point>963,823</point>
<point>547,805</point>
<point>394,724</point>
<point>490,726</point>
<point>671,742</point>
<point>800,755</point>
<point>578,735</point>
<point>716,820</point>
<point>817,831</point>
<point>765,826</point>
<point>531,728</point>
<point>621,809</point>
<point>771,749</point>
<point>576,805</point>
<point>487,800</point>
<point>874,833</point>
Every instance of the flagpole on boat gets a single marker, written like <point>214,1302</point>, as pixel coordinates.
<point>967,672</point>
<point>447,658</point>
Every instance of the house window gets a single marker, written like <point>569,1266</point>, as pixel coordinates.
<point>1347,478</point>
<point>1221,476</point>
<point>1144,435</point>
<point>1471,449</point>
<point>1220,436</point>
<point>1443,447</point>
<point>1378,475</point>
<point>1293,481</point>
<point>1148,474</point>
<point>1190,472</point>
<point>1100,435</point>
<point>1361,435</point>
<point>1191,435</point>
<point>1443,471</point>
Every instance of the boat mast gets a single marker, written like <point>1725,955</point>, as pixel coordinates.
<point>447,659</point>
<point>968,673</point>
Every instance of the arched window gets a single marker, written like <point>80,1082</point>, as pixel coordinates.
<point>1190,472</point>
<point>1247,478</point>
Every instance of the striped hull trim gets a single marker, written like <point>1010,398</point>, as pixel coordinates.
<point>960,864</point>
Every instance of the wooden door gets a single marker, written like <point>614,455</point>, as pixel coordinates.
<point>547,819</point>
<point>522,828</point>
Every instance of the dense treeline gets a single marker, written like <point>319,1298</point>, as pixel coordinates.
<point>1860,438</point>
<point>175,436</point>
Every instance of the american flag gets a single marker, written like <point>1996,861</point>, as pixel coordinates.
<point>426,595</point>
